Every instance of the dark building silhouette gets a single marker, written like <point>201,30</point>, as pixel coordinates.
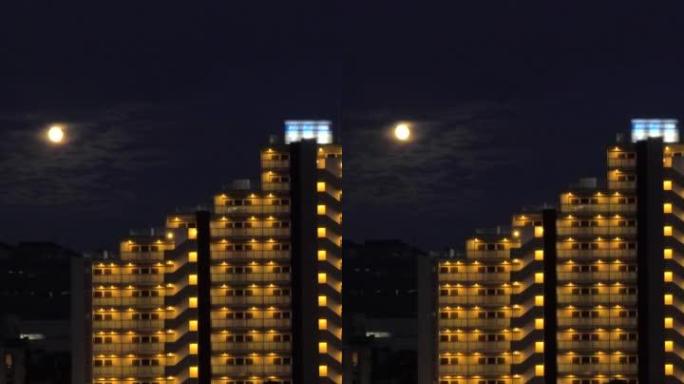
<point>381,304</point>
<point>42,324</point>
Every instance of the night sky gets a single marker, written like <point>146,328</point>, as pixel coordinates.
<point>167,102</point>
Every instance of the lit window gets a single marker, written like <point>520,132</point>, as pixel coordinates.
<point>192,279</point>
<point>322,324</point>
<point>539,370</point>
<point>539,323</point>
<point>322,278</point>
<point>539,301</point>
<point>669,369</point>
<point>320,186</point>
<point>192,257</point>
<point>322,347</point>
<point>669,323</point>
<point>192,325</point>
<point>668,299</point>
<point>667,252</point>
<point>192,349</point>
<point>539,277</point>
<point>539,254</point>
<point>667,230</point>
<point>667,185</point>
<point>320,209</point>
<point>322,254</point>
<point>194,372</point>
<point>322,301</point>
<point>321,232</point>
<point>538,231</point>
<point>667,208</point>
<point>539,347</point>
<point>668,276</point>
<point>322,370</point>
<point>192,233</point>
<point>192,302</point>
<point>669,345</point>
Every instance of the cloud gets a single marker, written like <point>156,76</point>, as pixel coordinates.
<point>438,167</point>
<point>105,149</point>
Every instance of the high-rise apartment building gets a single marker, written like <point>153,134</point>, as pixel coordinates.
<point>245,292</point>
<point>588,292</point>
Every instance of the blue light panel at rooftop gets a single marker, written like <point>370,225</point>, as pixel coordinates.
<point>667,129</point>
<point>297,130</point>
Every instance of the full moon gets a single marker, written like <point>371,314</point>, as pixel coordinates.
<point>402,132</point>
<point>55,134</point>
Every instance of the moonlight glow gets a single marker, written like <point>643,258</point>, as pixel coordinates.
<point>55,134</point>
<point>402,132</point>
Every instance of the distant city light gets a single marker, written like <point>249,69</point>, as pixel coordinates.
<point>402,132</point>
<point>667,129</point>
<point>55,134</point>
<point>298,130</point>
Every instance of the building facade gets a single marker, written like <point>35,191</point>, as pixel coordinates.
<point>248,291</point>
<point>588,292</point>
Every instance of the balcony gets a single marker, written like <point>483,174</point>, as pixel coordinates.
<point>250,232</point>
<point>251,323</point>
<point>575,346</point>
<point>126,348</point>
<point>129,325</point>
<point>581,277</point>
<point>258,209</point>
<point>599,322</point>
<point>128,371</point>
<point>475,323</point>
<point>591,300</point>
<point>250,370</point>
<point>250,300</point>
<point>138,302</point>
<point>597,369</point>
<point>249,255</point>
<point>255,277</point>
<point>151,279</point>
<point>253,347</point>
<point>498,300</point>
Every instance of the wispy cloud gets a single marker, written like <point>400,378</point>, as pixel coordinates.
<point>105,149</point>
<point>436,168</point>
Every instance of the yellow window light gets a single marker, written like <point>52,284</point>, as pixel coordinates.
<point>322,278</point>
<point>539,254</point>
<point>539,370</point>
<point>192,279</point>
<point>192,302</point>
<point>667,208</point>
<point>538,231</point>
<point>194,372</point>
<point>193,325</point>
<point>322,370</point>
<point>192,348</point>
<point>539,277</point>
<point>322,324</point>
<point>667,230</point>
<point>322,254</point>
<point>667,185</point>
<point>539,347</point>
<point>192,257</point>
<point>321,232</point>
<point>667,275</point>
<point>539,323</point>
<point>320,186</point>
<point>322,301</point>
<point>320,209</point>
<point>539,301</point>
<point>192,233</point>
<point>322,347</point>
<point>669,345</point>
<point>669,323</point>
<point>668,299</point>
<point>669,369</point>
<point>667,253</point>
